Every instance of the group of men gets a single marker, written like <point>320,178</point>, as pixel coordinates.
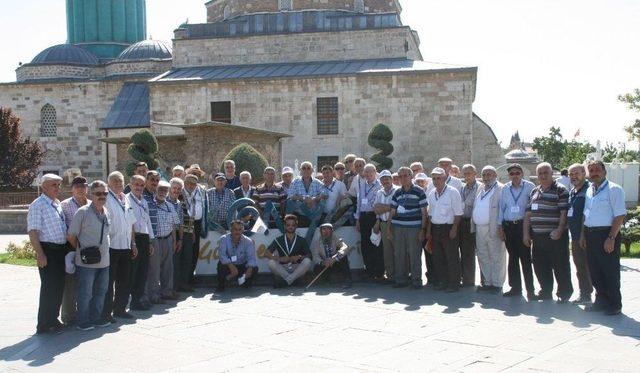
<point>110,247</point>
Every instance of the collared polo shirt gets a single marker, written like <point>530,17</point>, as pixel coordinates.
<point>443,208</point>
<point>298,188</point>
<point>545,207</point>
<point>243,253</point>
<point>408,205</point>
<point>576,208</point>
<point>335,190</point>
<point>514,201</point>
<point>604,204</point>
<point>122,218</point>
<point>86,226</point>
<point>46,216</point>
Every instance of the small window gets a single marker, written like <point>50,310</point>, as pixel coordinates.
<point>226,12</point>
<point>285,4</point>
<point>327,108</point>
<point>221,111</point>
<point>329,160</point>
<point>358,6</point>
<point>48,125</point>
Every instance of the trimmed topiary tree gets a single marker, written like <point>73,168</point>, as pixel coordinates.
<point>380,138</point>
<point>143,148</point>
<point>247,158</point>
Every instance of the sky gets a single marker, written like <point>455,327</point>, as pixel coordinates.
<point>541,63</point>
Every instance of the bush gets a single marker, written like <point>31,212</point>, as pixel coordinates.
<point>380,138</point>
<point>630,232</point>
<point>20,157</point>
<point>24,251</point>
<point>247,158</point>
<point>143,148</point>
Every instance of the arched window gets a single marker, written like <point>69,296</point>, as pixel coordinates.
<point>226,13</point>
<point>358,6</point>
<point>285,4</point>
<point>48,121</point>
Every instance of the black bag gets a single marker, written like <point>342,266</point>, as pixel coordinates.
<point>92,255</point>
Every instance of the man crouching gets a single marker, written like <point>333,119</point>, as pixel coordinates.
<point>330,252</point>
<point>289,256</point>
<point>237,258</point>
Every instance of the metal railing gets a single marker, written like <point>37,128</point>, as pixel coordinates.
<point>22,200</point>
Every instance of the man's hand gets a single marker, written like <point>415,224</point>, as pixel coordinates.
<point>248,273</point>
<point>358,225</point>
<point>151,250</point>
<point>556,234</point>
<point>389,233</point>
<point>42,260</point>
<point>526,240</point>
<point>329,262</point>
<point>609,246</point>
<point>134,252</point>
<point>177,246</point>
<point>453,233</point>
<point>421,236</point>
<point>583,242</point>
<point>501,234</point>
<point>233,270</point>
<point>376,227</point>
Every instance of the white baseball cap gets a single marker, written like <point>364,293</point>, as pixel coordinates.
<point>438,171</point>
<point>287,170</point>
<point>164,184</point>
<point>421,176</point>
<point>385,173</point>
<point>50,177</point>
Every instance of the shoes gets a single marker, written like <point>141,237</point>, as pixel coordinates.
<point>562,300</point>
<point>484,288</point>
<point>170,296</point>
<point>158,301</point>
<point>56,329</point>
<point>416,286</point>
<point>140,306</point>
<point>102,323</point>
<point>613,311</point>
<point>85,327</point>
<point>399,285</point>
<point>347,285</point>
<point>451,290</point>
<point>532,297</point>
<point>185,289</point>
<point>584,299</point>
<point>468,285</point>
<point>111,319</point>
<point>220,289</point>
<point>512,293</point>
<point>594,307</point>
<point>123,315</point>
<point>542,296</point>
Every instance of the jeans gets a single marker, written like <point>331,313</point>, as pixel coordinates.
<point>314,215</point>
<point>92,289</point>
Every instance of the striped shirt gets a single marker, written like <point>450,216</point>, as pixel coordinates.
<point>167,218</point>
<point>70,206</point>
<point>141,210</point>
<point>545,207</point>
<point>46,216</point>
<point>408,206</point>
<point>153,211</point>
<point>274,193</point>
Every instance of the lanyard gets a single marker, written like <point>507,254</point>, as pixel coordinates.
<point>140,205</point>
<point>439,195</point>
<point>516,199</point>
<point>58,210</point>
<point>293,245</point>
<point>466,192</point>
<point>597,191</point>
<point>192,212</point>
<point>117,200</point>
<point>330,188</point>
<point>486,193</point>
<point>366,192</point>
<point>163,204</point>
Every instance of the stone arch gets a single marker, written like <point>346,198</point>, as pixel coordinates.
<point>48,121</point>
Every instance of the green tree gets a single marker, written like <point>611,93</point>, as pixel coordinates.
<point>380,138</point>
<point>247,158</point>
<point>20,157</point>
<point>575,152</point>
<point>550,148</point>
<point>633,103</point>
<point>143,148</point>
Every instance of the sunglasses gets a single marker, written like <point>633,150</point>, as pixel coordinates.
<point>515,173</point>
<point>340,169</point>
<point>100,194</point>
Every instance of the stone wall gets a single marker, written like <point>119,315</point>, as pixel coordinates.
<point>137,67</point>
<point>429,113</point>
<point>80,110</point>
<point>215,8</point>
<point>31,72</point>
<point>486,150</point>
<point>397,42</point>
<point>13,221</point>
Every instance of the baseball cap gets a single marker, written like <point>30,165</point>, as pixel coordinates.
<point>422,176</point>
<point>287,170</point>
<point>438,171</point>
<point>79,180</point>
<point>385,173</point>
<point>164,184</point>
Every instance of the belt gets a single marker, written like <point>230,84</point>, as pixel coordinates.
<point>512,222</point>
<point>55,245</point>
<point>441,225</point>
<point>597,229</point>
<point>141,235</point>
<point>163,238</point>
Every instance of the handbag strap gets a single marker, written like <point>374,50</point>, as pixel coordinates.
<point>101,228</point>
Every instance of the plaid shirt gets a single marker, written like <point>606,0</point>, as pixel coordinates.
<point>69,207</point>
<point>46,216</point>
<point>298,188</point>
<point>166,216</point>
<point>218,204</point>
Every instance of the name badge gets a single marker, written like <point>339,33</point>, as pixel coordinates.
<point>515,209</point>
<point>401,210</point>
<point>570,213</point>
<point>365,201</point>
<point>234,258</point>
<point>586,213</point>
<point>534,207</point>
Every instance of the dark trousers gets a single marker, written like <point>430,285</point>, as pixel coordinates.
<point>467,242</point>
<point>183,262</point>
<point>372,255</point>
<point>551,258</point>
<point>519,256</point>
<point>579,256</point>
<point>604,269</point>
<point>51,285</point>
<point>119,278</point>
<point>223,272</point>
<point>446,256</point>
<point>340,267</point>
<point>140,268</point>
<point>431,275</point>
<point>197,230</point>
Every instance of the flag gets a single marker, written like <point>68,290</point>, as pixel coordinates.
<point>577,134</point>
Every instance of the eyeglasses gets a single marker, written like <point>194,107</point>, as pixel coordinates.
<point>340,169</point>
<point>100,194</point>
<point>515,173</point>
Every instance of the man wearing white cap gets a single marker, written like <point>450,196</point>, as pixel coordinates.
<point>48,236</point>
<point>178,171</point>
<point>491,250</point>
<point>446,164</point>
<point>382,206</point>
<point>287,179</point>
<point>329,251</point>
<point>422,180</point>
<point>445,212</point>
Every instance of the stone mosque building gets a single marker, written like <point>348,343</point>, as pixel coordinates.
<point>297,79</point>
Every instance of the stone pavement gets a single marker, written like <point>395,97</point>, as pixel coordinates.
<point>5,239</point>
<point>369,328</point>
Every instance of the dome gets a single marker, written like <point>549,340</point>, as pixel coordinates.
<point>65,54</point>
<point>518,154</point>
<point>146,50</point>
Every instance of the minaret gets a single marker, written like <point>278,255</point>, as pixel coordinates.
<point>106,27</point>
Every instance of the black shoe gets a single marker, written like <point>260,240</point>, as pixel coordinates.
<point>613,311</point>
<point>583,299</point>
<point>562,300</point>
<point>542,296</point>
<point>532,297</point>
<point>452,289</point>
<point>220,289</point>
<point>347,285</point>
<point>399,285</point>
<point>185,289</point>
<point>416,286</point>
<point>123,315</point>
<point>484,288</point>
<point>102,323</point>
<point>512,293</point>
<point>140,306</point>
<point>594,307</point>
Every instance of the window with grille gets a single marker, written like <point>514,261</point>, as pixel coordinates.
<point>327,108</point>
<point>285,4</point>
<point>359,6</point>
<point>221,111</point>
<point>226,13</point>
<point>48,121</point>
<point>329,160</point>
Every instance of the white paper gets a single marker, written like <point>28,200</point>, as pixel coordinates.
<point>515,209</point>
<point>570,213</point>
<point>534,206</point>
<point>234,258</point>
<point>242,280</point>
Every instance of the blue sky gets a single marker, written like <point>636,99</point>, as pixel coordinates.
<point>541,62</point>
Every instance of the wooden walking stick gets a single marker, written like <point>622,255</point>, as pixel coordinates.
<point>317,277</point>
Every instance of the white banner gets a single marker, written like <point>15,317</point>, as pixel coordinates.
<point>209,248</point>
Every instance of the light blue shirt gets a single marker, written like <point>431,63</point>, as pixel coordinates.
<point>514,201</point>
<point>603,205</point>
<point>243,253</point>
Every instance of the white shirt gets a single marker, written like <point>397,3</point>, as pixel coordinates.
<point>451,181</point>
<point>141,211</point>
<point>334,191</point>
<point>564,180</point>
<point>482,208</point>
<point>121,218</point>
<point>194,202</point>
<point>353,191</point>
<point>384,198</point>
<point>443,208</point>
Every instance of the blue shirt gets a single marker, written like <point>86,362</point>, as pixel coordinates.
<point>315,188</point>
<point>576,207</point>
<point>604,204</point>
<point>514,201</point>
<point>243,253</point>
<point>408,206</point>
<point>366,195</point>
